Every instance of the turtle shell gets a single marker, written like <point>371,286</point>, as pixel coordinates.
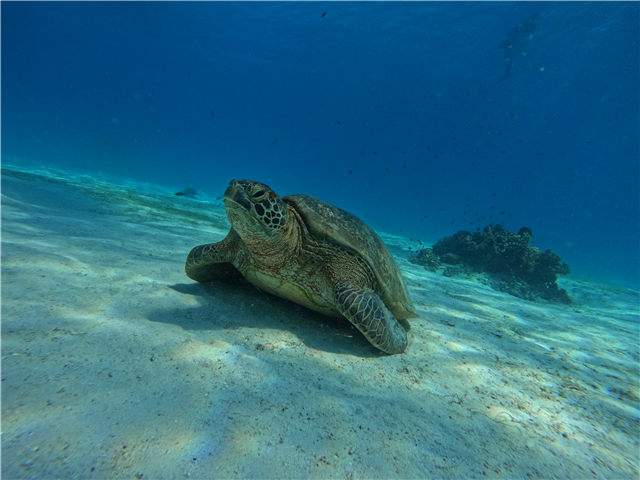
<point>333,225</point>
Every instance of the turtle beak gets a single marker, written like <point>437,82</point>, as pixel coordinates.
<point>235,196</point>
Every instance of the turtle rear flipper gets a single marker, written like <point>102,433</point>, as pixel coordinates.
<point>368,313</point>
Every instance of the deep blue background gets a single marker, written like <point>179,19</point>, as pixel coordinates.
<point>406,96</point>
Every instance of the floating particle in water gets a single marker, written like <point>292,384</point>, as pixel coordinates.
<point>350,172</point>
<point>375,153</point>
<point>339,121</point>
<point>403,151</point>
<point>274,141</point>
<point>404,166</point>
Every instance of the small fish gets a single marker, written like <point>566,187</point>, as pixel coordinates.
<point>212,113</point>
<point>274,141</point>
<point>218,198</point>
<point>339,121</point>
<point>180,194</point>
<point>323,14</point>
<point>350,172</point>
<point>188,72</point>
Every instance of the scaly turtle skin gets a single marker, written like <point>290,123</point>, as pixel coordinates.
<point>311,253</point>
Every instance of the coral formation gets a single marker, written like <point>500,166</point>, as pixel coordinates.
<point>426,258</point>
<point>513,265</point>
<point>187,192</point>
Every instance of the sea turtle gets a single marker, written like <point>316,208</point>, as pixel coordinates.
<point>311,253</point>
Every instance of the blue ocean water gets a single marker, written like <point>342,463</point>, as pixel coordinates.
<point>421,118</point>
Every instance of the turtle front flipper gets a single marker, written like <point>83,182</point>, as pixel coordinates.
<point>368,313</point>
<point>214,261</point>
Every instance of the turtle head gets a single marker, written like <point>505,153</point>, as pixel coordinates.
<point>254,210</point>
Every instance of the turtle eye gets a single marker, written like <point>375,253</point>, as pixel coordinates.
<point>258,194</point>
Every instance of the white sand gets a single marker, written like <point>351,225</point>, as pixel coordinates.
<point>115,364</point>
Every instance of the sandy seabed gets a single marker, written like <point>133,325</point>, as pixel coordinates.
<point>115,364</point>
